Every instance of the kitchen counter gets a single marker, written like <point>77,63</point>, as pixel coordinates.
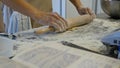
<point>88,36</point>
<point>46,50</point>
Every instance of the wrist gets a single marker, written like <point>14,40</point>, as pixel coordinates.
<point>80,6</point>
<point>36,15</point>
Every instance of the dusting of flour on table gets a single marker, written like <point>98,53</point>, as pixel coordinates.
<point>88,36</point>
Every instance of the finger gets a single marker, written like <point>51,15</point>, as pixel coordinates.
<point>86,11</point>
<point>60,23</point>
<point>62,20</point>
<point>52,21</point>
<point>82,11</point>
<point>63,23</point>
<point>63,27</point>
<point>56,26</point>
<point>89,11</point>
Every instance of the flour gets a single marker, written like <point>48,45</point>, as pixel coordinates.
<point>95,30</point>
<point>88,36</point>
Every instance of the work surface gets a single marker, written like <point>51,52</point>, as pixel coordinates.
<point>88,36</point>
<point>47,51</point>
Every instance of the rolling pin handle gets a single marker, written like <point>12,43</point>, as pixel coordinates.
<point>45,30</point>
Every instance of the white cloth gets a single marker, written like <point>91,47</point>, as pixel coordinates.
<point>19,22</point>
<point>14,21</point>
<point>6,16</point>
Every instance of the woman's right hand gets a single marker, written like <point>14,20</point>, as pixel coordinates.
<point>52,19</point>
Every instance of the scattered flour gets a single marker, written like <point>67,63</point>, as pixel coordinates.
<point>88,36</point>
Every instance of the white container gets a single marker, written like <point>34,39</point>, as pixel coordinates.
<point>6,47</point>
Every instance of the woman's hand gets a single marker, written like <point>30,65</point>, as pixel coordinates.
<point>83,10</point>
<point>52,19</point>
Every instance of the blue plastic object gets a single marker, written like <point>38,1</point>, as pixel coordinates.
<point>113,39</point>
<point>119,51</point>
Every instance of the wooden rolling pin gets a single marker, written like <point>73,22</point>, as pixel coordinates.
<point>72,22</point>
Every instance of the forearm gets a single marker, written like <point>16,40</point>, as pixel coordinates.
<point>76,3</point>
<point>22,7</point>
<point>43,18</point>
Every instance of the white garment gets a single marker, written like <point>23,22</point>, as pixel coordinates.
<point>19,22</point>
<point>14,21</point>
<point>6,17</point>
